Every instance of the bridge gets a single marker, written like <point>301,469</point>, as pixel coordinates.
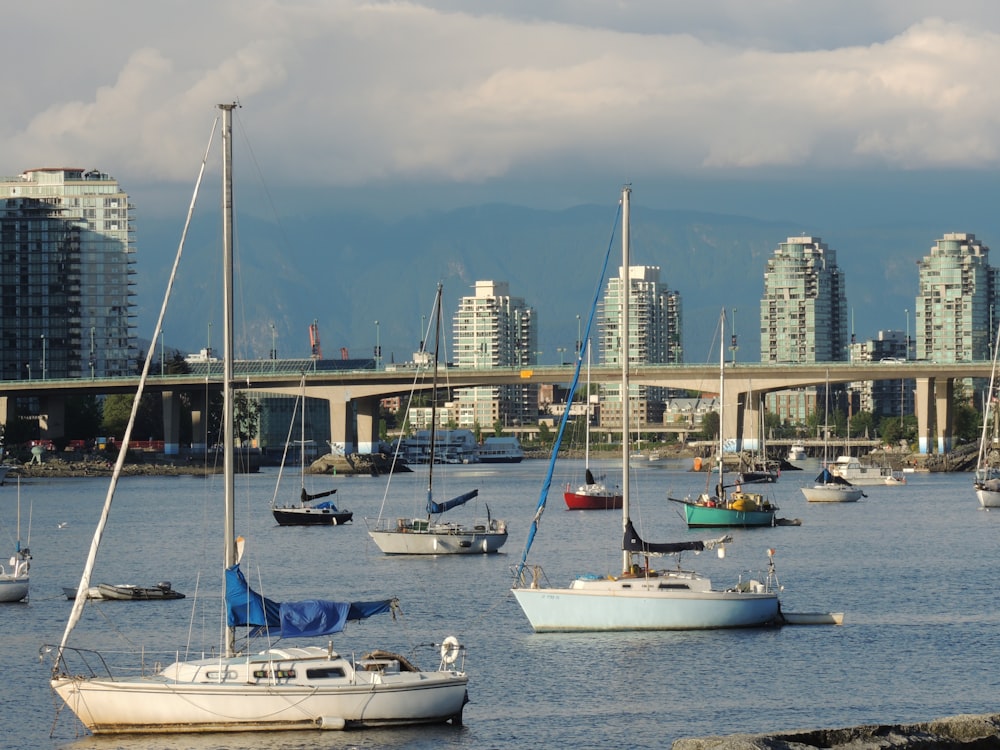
<point>354,394</point>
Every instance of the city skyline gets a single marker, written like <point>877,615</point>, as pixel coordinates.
<point>834,119</point>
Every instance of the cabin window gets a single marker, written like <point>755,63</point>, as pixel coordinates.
<point>325,673</point>
<point>230,675</point>
<point>278,674</point>
<point>674,586</point>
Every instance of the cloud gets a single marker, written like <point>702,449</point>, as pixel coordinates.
<point>345,93</point>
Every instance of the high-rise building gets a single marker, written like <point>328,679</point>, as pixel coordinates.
<point>68,264</point>
<point>493,329</point>
<point>654,338</point>
<point>803,318</point>
<point>803,313</point>
<point>956,308</point>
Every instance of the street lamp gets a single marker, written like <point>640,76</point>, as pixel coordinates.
<point>579,338</point>
<point>274,348</point>
<point>732,340</point>
<point>562,351</point>
<point>44,367</point>
<point>378,347</point>
<point>92,352</point>
<point>28,365</point>
<point>162,370</point>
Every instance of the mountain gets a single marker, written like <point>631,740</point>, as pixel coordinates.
<point>348,270</point>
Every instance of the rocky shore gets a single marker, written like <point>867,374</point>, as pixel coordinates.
<point>153,464</point>
<point>967,731</point>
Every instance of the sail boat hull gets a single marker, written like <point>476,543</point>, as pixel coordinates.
<point>988,492</point>
<point>307,516</point>
<point>706,516</point>
<point>592,497</point>
<point>13,588</point>
<point>313,690</point>
<point>641,604</point>
<point>452,539</point>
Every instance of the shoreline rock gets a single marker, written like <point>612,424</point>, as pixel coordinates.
<point>963,731</point>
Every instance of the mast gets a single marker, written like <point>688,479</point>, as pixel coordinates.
<point>229,540</point>
<point>623,348</point>
<point>586,444</point>
<point>720,488</point>
<point>437,344</point>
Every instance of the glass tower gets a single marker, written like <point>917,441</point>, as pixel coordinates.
<point>66,289</point>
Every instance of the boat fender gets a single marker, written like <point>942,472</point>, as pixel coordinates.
<point>450,648</point>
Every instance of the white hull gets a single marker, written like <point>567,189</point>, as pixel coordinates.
<point>988,498</point>
<point>13,589</point>
<point>313,690</point>
<point>453,542</point>
<point>832,494</point>
<point>640,604</point>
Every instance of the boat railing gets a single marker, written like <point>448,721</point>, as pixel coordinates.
<point>91,664</point>
<point>538,577</point>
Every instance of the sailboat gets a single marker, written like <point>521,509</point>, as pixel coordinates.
<point>306,512</point>
<point>639,598</point>
<point>987,482</point>
<point>280,688</point>
<point>724,508</point>
<point>430,534</point>
<point>594,493</point>
<point>828,487</point>
<point>14,579</point>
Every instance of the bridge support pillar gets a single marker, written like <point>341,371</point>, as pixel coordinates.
<point>342,438</point>
<point>199,422</point>
<point>943,394</point>
<point>923,405</point>
<point>171,424</point>
<point>367,416</point>
<point>52,416</point>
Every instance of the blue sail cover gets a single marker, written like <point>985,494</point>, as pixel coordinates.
<point>309,618</point>
<point>433,507</point>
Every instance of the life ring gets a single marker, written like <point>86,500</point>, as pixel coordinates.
<point>450,648</point>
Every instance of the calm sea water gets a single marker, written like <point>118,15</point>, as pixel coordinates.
<point>913,567</point>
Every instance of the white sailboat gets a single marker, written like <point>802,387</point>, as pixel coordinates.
<point>14,578</point>
<point>640,598</point>
<point>828,487</point>
<point>431,534</point>
<point>281,688</point>
<point>987,482</point>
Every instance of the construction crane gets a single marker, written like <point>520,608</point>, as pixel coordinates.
<point>317,353</point>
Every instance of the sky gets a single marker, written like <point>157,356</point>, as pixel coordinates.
<point>778,109</point>
<point>544,100</point>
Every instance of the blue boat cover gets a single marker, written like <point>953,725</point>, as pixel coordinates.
<point>433,507</point>
<point>634,543</point>
<point>309,618</point>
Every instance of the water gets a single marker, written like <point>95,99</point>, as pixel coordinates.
<point>913,567</point>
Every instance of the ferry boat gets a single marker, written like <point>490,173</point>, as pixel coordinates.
<point>500,450</point>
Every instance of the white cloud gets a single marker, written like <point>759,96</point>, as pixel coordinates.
<point>345,92</point>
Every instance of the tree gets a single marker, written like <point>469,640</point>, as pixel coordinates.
<point>709,426</point>
<point>117,410</point>
<point>84,414</point>
<point>246,417</point>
